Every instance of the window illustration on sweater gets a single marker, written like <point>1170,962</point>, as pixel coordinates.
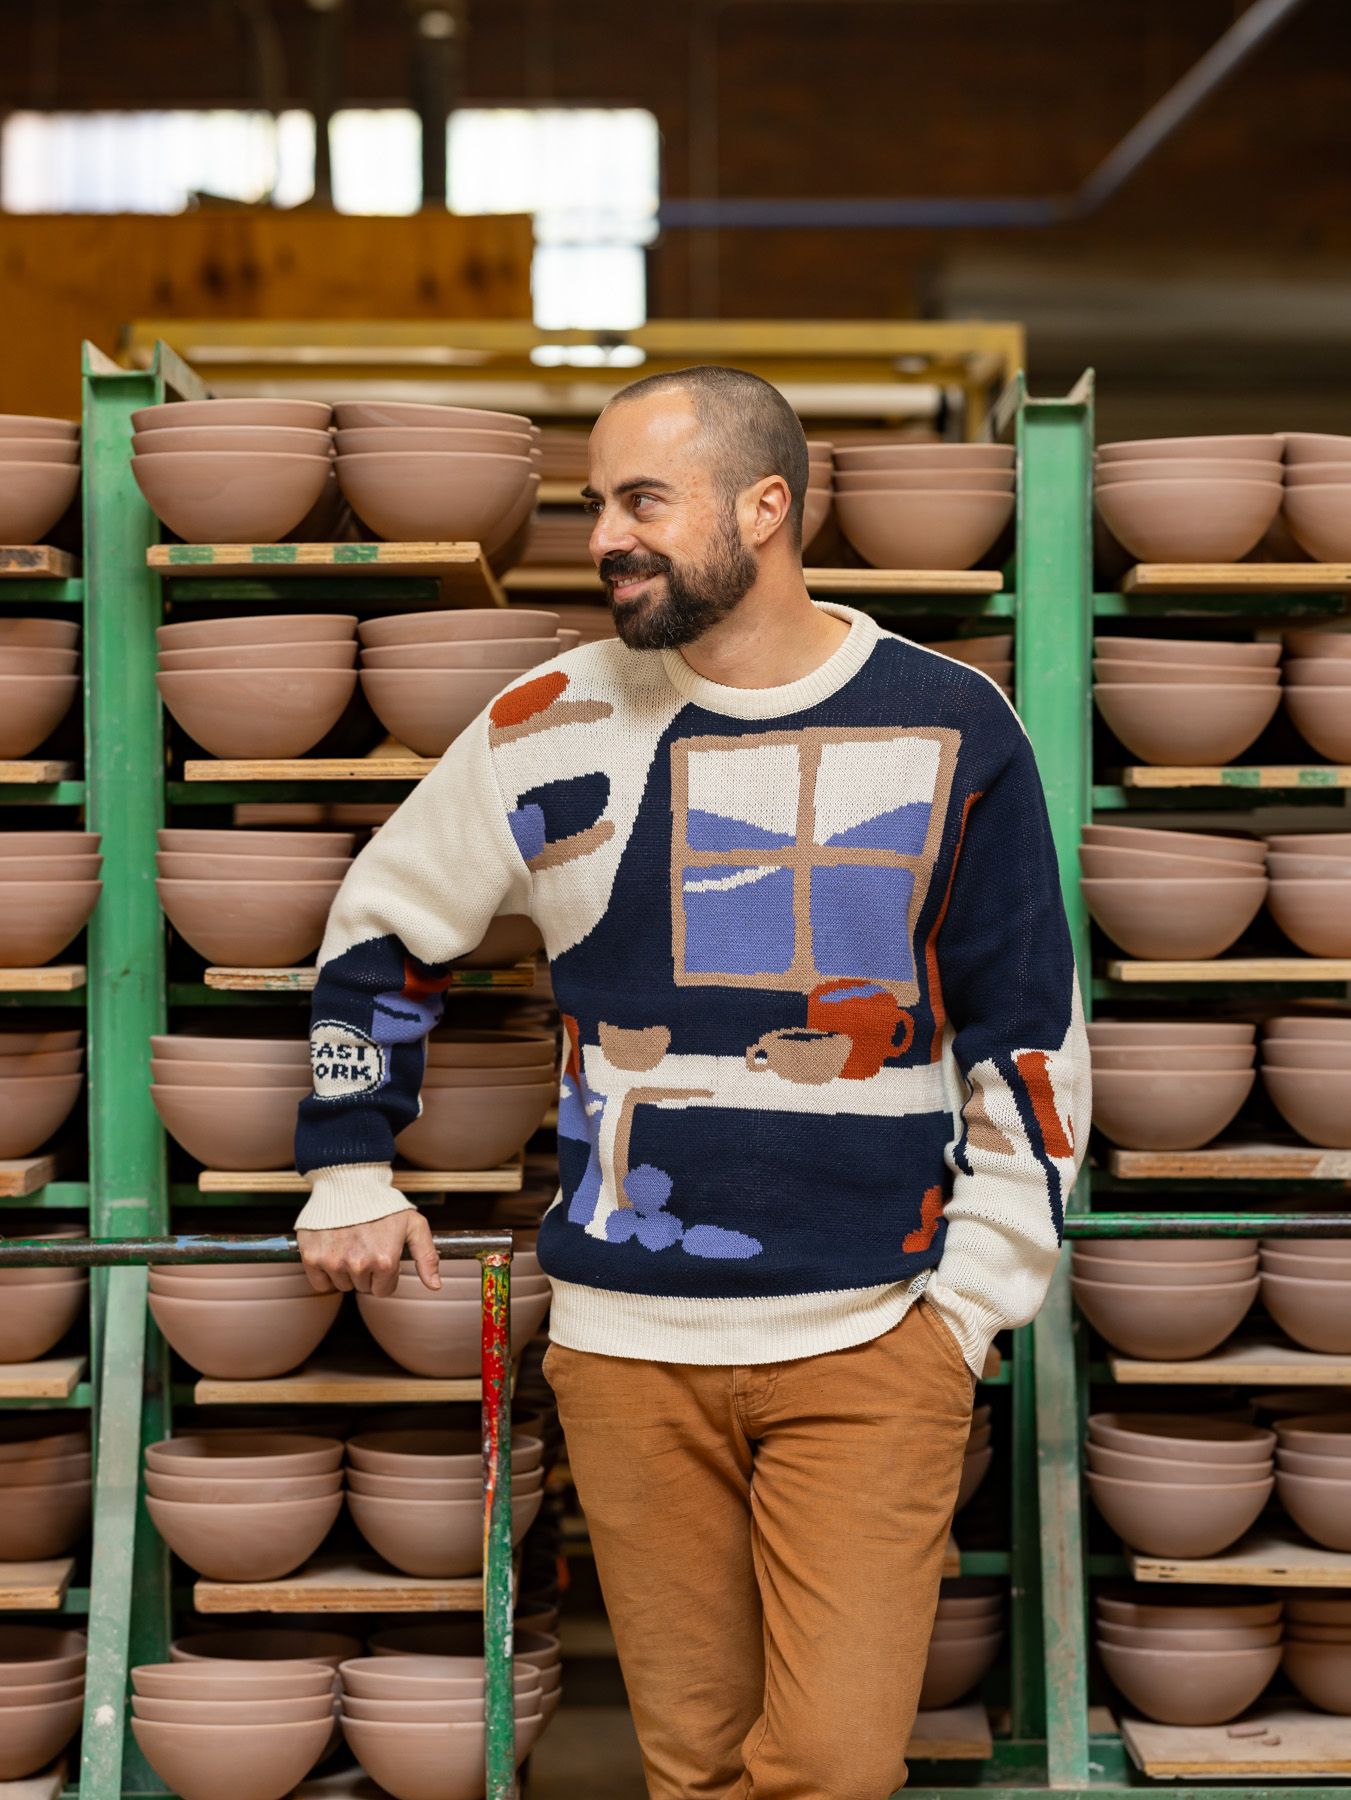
<point>822,1035</point>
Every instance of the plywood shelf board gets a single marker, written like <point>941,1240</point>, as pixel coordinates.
<point>311,768</point>
<point>325,1382</point>
<point>24,562</point>
<point>55,1379</point>
<point>36,773</point>
<point>903,581</point>
<point>1267,775</point>
<point>246,981</point>
<point>1297,1742</point>
<point>948,1734</point>
<point>504,1180</point>
<point>1271,1555</point>
<point>24,1175</point>
<point>1232,1162</point>
<point>545,578</point>
<point>1228,969</point>
<point>460,568</point>
<point>53,978</point>
<point>35,1586</point>
<point>1237,578</point>
<point>1253,1362</point>
<point>337,1584</point>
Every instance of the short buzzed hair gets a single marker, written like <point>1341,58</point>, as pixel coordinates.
<point>750,428</point>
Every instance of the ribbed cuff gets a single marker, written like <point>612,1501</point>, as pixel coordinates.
<point>352,1194</point>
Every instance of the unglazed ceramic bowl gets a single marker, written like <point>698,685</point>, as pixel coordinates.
<point>429,1762</point>
<point>1316,1314</point>
<point>1322,716</point>
<point>40,1655</point>
<point>471,624</point>
<point>1107,862</point>
<point>1180,520</point>
<point>1182,1687</point>
<point>1114,672</point>
<point>1176,920</point>
<point>459,1132</point>
<point>507,654</point>
<point>1200,724</point>
<point>1261,447</point>
<point>33,496</point>
<point>230,496</point>
<point>1315,915</point>
<point>288,845</point>
<point>245,1340</point>
<point>1182,1438</point>
<point>1161,1031</point>
<point>241,1129</point>
<point>264,924</point>
<point>290,440</point>
<point>1315,1103</point>
<point>231,1762</point>
<point>230,1542</point>
<point>1321,1508</point>
<point>32,1108</point>
<point>35,1316</point>
<point>241,1680</point>
<point>186,865</point>
<point>428,709</point>
<point>33,1735</point>
<point>311,415</point>
<point>1169,1324</point>
<point>954,1666</point>
<point>924,456</point>
<point>1117,1270</point>
<point>1170,1519</point>
<point>1163,1252</point>
<point>1167,1110</point>
<point>1250,852</point>
<point>338,654</point>
<point>1128,1467</point>
<point>1321,1672</point>
<point>1183,1058</point>
<point>38,1522</point>
<point>257,713</point>
<point>442,1340</point>
<point>257,1709</point>
<point>39,918</point>
<point>435,1454</point>
<point>432,496</point>
<point>268,1644</point>
<point>257,629</point>
<point>924,481</point>
<point>922,530</point>
<point>1318,517</point>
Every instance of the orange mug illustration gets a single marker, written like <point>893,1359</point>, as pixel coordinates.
<point>868,1014</point>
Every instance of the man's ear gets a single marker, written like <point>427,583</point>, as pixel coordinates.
<point>771,502</point>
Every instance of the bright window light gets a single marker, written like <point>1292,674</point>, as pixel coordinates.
<point>377,160</point>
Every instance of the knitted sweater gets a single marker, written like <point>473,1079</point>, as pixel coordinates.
<point>824,1049</point>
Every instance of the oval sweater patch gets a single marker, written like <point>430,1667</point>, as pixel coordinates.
<point>344,1060</point>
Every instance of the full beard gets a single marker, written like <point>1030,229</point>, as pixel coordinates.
<point>694,597</point>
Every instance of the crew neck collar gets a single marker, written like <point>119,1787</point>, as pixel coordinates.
<point>792,696</point>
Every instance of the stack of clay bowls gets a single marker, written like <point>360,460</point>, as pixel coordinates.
<point>240,1321</point>
<point>1306,1287</point>
<point>438,1332</point>
<point>244,1505</point>
<point>419,473</point>
<point>417,1497</point>
<point>1199,1661</point>
<point>37,679</point>
<point>37,1308</point>
<point>481,1099</point>
<point>417,1722</point>
<point>1168,1085</point>
<point>49,885</point>
<point>967,1632</point>
<point>1317,1655</point>
<point>979,1455</point>
<point>1317,686</point>
<point>1306,1070</point>
<point>45,1490</point>
<point>820,483</point>
<point>993,656</point>
<point>1171,1485</point>
<point>565,453</point>
<point>247,1730</point>
<point>1310,897</point>
<point>257,898</point>
<point>231,1102</point>
<point>1164,1299</point>
<point>40,1081</point>
<point>1316,509</point>
<point>258,688</point>
<point>924,506</point>
<point>1189,499</point>
<point>41,1696</point>
<point>1313,1474</point>
<point>425,675</point>
<point>235,471</point>
<point>39,475</point>
<point>1191,702</point>
<point>560,538</point>
<point>282,1643</point>
<point>1171,895</point>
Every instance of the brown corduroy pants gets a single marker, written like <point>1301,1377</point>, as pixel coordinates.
<point>769,1541</point>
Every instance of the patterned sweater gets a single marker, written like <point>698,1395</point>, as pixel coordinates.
<point>824,1048</point>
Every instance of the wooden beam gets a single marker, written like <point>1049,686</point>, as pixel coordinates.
<point>25,562</point>
<point>1272,775</point>
<point>24,1175</point>
<point>53,978</point>
<point>55,1379</point>
<point>35,1586</point>
<point>504,1180</point>
<point>1225,970</point>
<point>311,768</point>
<point>1270,1556</point>
<point>37,773</point>
<point>1249,1362</point>
<point>297,981</point>
<point>326,1382</point>
<point>342,1584</point>
<point>1237,578</point>
<point>1232,1162</point>
<point>460,568</point>
<point>948,1734</point>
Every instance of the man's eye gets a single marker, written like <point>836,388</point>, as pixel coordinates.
<point>638,499</point>
<point>593,507</point>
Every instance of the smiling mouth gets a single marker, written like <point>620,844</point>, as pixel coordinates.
<point>627,586</point>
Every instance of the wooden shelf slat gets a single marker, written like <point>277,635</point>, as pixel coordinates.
<point>504,1180</point>
<point>1232,1162</point>
<point>35,1586</point>
<point>246,981</point>
<point>325,1382</point>
<point>311,768</point>
<point>36,773</point>
<point>1266,775</point>
<point>52,978</point>
<point>24,562</point>
<point>1228,969</point>
<point>1298,1742</point>
<point>1250,1362</point>
<point>949,1734</point>
<point>1237,578</point>
<point>460,568</point>
<point>24,1175</point>
<point>550,578</point>
<point>1270,1556</point>
<point>338,1584</point>
<point>55,1379</point>
<point>562,493</point>
<point>903,581</point>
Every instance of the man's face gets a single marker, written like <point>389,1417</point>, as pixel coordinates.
<point>668,545</point>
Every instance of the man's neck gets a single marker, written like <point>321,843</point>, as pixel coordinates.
<point>774,636</point>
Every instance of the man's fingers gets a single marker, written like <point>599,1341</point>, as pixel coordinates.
<point>385,1276</point>
<point>317,1278</point>
<point>423,1252</point>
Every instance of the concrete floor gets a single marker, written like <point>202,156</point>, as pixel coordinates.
<point>588,1753</point>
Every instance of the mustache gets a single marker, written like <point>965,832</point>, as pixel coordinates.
<point>631,567</point>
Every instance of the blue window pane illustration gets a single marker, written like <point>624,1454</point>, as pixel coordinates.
<point>861,922</point>
<point>903,829</point>
<point>713,831</point>
<point>738,921</point>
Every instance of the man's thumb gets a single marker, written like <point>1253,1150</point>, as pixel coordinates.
<point>424,1251</point>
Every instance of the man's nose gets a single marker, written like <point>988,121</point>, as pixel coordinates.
<point>611,535</point>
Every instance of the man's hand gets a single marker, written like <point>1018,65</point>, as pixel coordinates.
<point>366,1257</point>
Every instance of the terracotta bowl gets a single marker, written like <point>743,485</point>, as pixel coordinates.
<point>39,918</point>
<point>29,1437</point>
<point>40,1693</point>
<point>477,1078</point>
<point>1315,915</point>
<point>37,1522</point>
<point>38,1043</point>
<point>1182,1438</point>
<point>33,496</point>
<point>467,1288</point>
<point>1185,468</point>
<point>40,1655</point>
<point>992,651</point>
<point>288,1053</point>
<point>1328,1434</point>
<point>1118,1269</point>
<point>442,1340</point>
<point>473,624</point>
<point>1316,672</point>
<point>241,1129</point>
<point>1316,1314</point>
<point>290,440</point>
<point>1179,1687</point>
<point>975,1467</point>
<point>293,1286</point>
<point>512,654</point>
<point>230,496</point>
<point>1321,1508</point>
<point>1112,672</point>
<point>1175,920</point>
<point>232,1680</point>
<point>214,1272</point>
<point>32,1108</point>
<point>1169,1519</point>
<point>1312,843</point>
<point>1107,862</point>
<point>431,1712</point>
<point>1321,1672</point>
<point>1180,1031</point>
<point>39,634</point>
<point>46,1471</point>
<point>921,456</point>
<point>1324,1468</point>
<point>357,442</point>
<point>365,415</point>
<point>1180,520</point>
<point>50,868</point>
<point>257,713</point>
<point>1164,1110</point>
<point>34,425</point>
<point>268,1644</point>
<point>1303,1053</point>
<point>395,1487</point>
<point>1174,1056</point>
<point>1302,447</point>
<point>1319,1609</point>
<point>255,629</point>
<point>951,1631</point>
<point>455,1132</point>
<point>268,924</point>
<point>1166,1323</point>
<point>433,1537</point>
<point>183,865</point>
<point>1162,1252</point>
<point>954,1666</point>
<point>1322,716</point>
<point>1196,725</point>
<point>427,710</point>
<point>35,1316</point>
<point>33,1735</point>
<point>1127,1467</point>
<point>1189,1615</point>
<point>28,659</point>
<point>39,450</point>
<point>1264,447</point>
<point>489,1049</point>
<point>339,654</point>
<point>1319,519</point>
<point>231,1762</point>
<point>925,530</point>
<point>924,481</point>
<point>426,1677</point>
<point>229,1542</point>
<point>290,846</point>
<point>1168,1637</point>
<point>447,1455</point>
<point>245,1340</point>
<point>510,938</point>
<point>1308,1250</point>
<point>1187,650</point>
<point>1308,868</point>
<point>451,1638</point>
<point>206,1489</point>
<point>432,496</point>
<point>1314,1103</point>
<point>311,415</point>
<point>1160,840</point>
<point>255,1710</point>
<point>428,1762</point>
